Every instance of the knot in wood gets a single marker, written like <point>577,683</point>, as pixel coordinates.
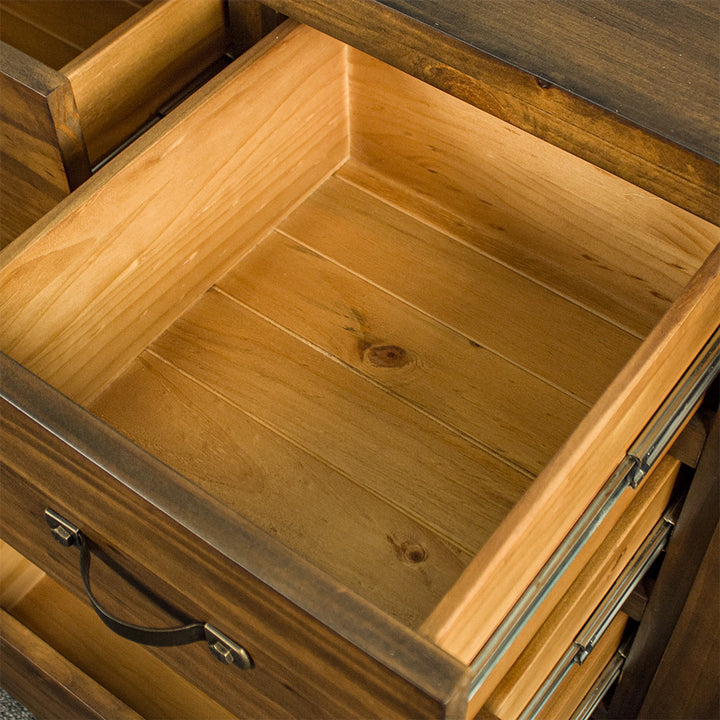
<point>387,356</point>
<point>413,553</point>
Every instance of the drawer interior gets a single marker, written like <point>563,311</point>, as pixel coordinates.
<point>356,310</point>
<point>69,626</point>
<point>56,32</point>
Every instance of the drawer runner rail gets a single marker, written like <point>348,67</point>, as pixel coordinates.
<point>608,676</point>
<point>604,614</point>
<point>648,447</point>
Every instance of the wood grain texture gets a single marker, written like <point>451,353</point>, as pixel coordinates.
<point>47,683</point>
<point>444,374</point>
<point>150,232</point>
<point>49,50</point>
<point>499,309</point>
<point>509,561</point>
<point>653,65</point>
<point>356,663</point>
<point>78,23</point>
<point>349,533</point>
<point>425,47</point>
<point>432,474</point>
<point>125,670</point>
<point>122,80</point>
<point>622,253</point>
<point>42,154</point>
<point>585,594</point>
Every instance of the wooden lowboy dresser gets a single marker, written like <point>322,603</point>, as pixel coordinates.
<point>372,381</point>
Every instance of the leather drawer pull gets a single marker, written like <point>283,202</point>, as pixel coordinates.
<point>222,647</point>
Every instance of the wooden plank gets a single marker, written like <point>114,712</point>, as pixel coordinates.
<point>472,293</point>
<point>585,594</point>
<point>125,670</point>
<point>354,536</point>
<point>633,60</point>
<point>512,93</point>
<point>438,478</point>
<point>35,42</point>
<point>507,563</point>
<point>693,532</point>
<point>79,23</point>
<point>613,248</point>
<point>122,80</point>
<point>355,662</point>
<point>505,409</point>
<point>47,684</point>
<point>148,234</point>
<point>42,154</point>
<point>686,683</point>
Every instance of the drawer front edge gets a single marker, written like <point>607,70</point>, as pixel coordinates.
<point>62,455</point>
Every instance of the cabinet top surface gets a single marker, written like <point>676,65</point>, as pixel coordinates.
<point>655,63</point>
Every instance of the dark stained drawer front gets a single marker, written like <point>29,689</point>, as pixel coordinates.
<point>301,667</point>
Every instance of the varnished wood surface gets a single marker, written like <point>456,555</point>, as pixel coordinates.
<point>577,604</point>
<point>48,684</point>
<point>370,546</point>
<point>199,191</point>
<point>464,619</point>
<point>126,670</point>
<point>687,683</point>
<point>612,248</point>
<point>516,415</point>
<point>655,64</point>
<point>303,667</point>
<point>500,309</point>
<point>42,151</point>
<point>610,60</point>
<point>54,32</point>
<point>134,68</point>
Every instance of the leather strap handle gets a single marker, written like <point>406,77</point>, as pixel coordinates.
<point>219,644</point>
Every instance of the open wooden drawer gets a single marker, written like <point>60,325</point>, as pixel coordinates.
<point>80,78</point>
<point>397,369</point>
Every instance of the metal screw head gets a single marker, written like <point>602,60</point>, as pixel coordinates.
<point>63,535</point>
<point>222,652</point>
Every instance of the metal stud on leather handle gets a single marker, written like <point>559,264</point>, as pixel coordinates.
<point>222,647</point>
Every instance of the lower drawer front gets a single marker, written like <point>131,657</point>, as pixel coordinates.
<point>598,592</point>
<point>302,669</point>
<point>61,661</point>
<point>47,683</point>
<point>580,680</point>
